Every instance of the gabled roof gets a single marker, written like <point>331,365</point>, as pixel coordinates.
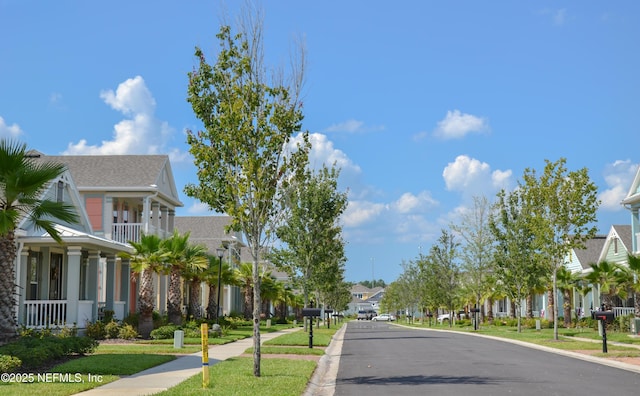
<point>119,173</point>
<point>622,233</point>
<point>591,254</point>
<point>633,196</point>
<point>358,288</point>
<point>207,230</point>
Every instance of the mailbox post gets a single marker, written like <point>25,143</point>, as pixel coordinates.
<point>327,313</point>
<point>475,312</point>
<point>311,313</point>
<point>603,318</point>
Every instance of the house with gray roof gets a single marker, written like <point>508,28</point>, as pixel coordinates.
<point>632,203</point>
<point>117,198</point>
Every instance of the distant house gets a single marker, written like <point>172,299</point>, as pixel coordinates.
<point>364,298</point>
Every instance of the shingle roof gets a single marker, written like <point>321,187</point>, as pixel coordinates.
<point>113,171</point>
<point>591,253</point>
<point>624,232</point>
<point>205,230</point>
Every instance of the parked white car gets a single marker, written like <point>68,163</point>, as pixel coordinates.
<point>443,317</point>
<point>384,318</point>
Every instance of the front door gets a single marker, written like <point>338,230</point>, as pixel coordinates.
<point>55,277</point>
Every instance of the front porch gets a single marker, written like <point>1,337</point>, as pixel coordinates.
<point>43,314</point>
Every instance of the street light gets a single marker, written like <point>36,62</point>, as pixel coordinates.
<point>219,253</point>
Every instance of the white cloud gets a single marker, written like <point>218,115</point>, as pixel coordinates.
<point>618,176</point>
<point>353,126</point>
<point>456,125</point>
<point>472,177</point>
<point>324,152</point>
<point>9,131</point>
<point>361,212</point>
<point>140,133</point>
<point>410,203</point>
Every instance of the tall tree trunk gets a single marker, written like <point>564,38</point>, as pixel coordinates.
<point>212,305</point>
<point>566,305</point>
<point>248,302</point>
<point>174,297</point>
<point>256,318</point>
<point>195,307</point>
<point>529,306</point>
<point>551,304</point>
<point>490,315</point>
<point>8,320</point>
<point>146,302</point>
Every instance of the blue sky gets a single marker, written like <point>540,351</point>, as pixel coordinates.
<point>423,104</point>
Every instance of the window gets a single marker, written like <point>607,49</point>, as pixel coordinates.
<point>60,191</point>
<point>615,245</point>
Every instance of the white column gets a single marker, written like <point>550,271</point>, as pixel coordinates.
<point>74,256</point>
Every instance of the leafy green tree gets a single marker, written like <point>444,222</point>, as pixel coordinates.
<point>313,249</point>
<point>515,260</point>
<point>479,244</point>
<point>562,206</point>
<point>244,155</point>
<point>446,271</point>
<point>146,260</point>
<point>23,182</point>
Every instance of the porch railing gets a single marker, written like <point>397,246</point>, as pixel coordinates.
<point>45,313</point>
<point>125,232</point>
<point>623,311</point>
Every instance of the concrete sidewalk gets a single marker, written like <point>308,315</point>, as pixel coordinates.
<point>170,374</point>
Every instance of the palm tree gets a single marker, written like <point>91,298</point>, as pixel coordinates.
<point>244,274</point>
<point>611,278</point>
<point>22,184</point>
<point>146,260</point>
<point>176,249</point>
<point>196,263</point>
<point>567,281</point>
<point>227,277</point>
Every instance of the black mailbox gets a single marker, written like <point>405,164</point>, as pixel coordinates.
<point>311,312</point>
<point>474,310</point>
<point>328,311</point>
<point>606,316</point>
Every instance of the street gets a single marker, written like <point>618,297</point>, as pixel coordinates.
<point>384,359</point>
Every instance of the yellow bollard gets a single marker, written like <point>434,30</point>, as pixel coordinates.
<point>204,335</point>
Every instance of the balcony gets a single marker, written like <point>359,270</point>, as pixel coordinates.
<point>125,232</point>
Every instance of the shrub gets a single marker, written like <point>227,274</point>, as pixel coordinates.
<point>127,332</point>
<point>9,364</point>
<point>112,329</point>
<point>164,332</point>
<point>96,330</point>
<point>37,351</point>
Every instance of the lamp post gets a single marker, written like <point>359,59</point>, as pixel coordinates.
<point>219,253</point>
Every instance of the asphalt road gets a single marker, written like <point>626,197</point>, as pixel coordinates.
<point>383,359</point>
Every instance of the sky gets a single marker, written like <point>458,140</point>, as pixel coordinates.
<point>422,104</point>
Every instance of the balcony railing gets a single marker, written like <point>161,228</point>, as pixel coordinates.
<point>125,232</point>
<point>45,313</point>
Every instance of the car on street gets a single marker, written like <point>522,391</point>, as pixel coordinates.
<point>443,317</point>
<point>384,318</point>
